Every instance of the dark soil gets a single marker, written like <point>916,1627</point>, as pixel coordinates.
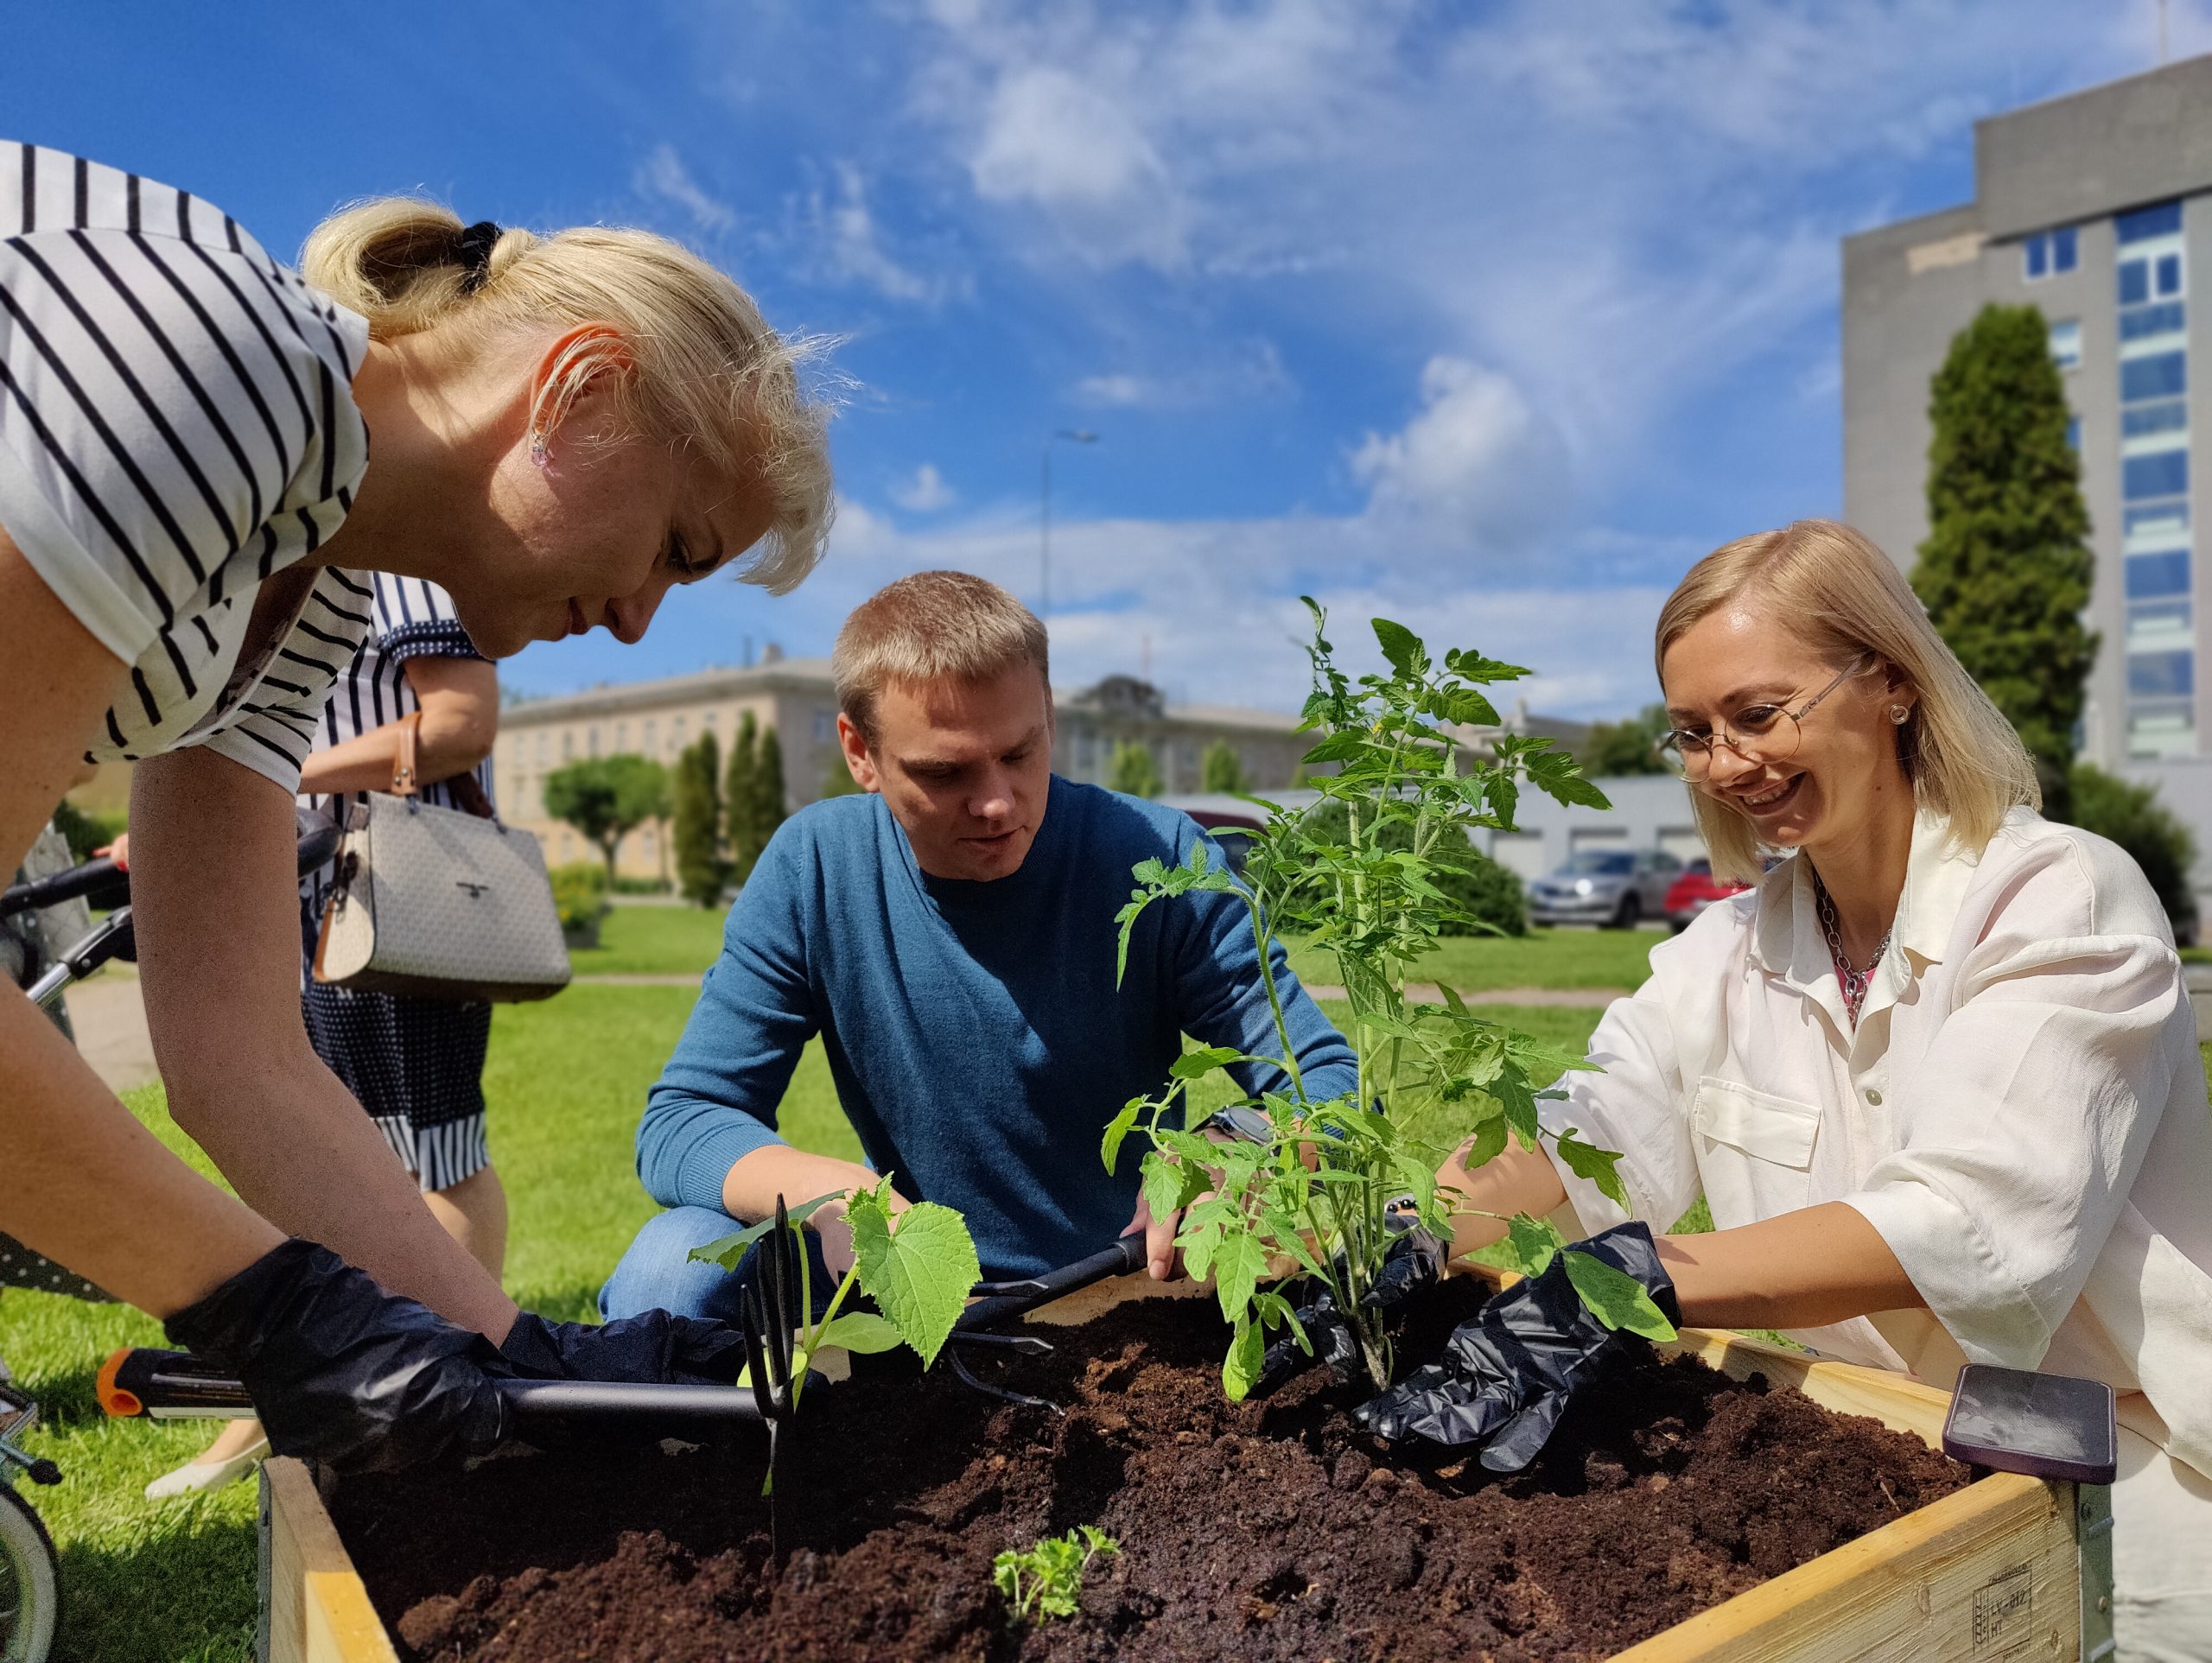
<point>1262,1531</point>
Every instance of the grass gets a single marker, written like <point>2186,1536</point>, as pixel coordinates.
<point>683,940</point>
<point>566,1080</point>
<point>173,1582</point>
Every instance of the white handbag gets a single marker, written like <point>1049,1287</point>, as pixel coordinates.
<point>435,904</point>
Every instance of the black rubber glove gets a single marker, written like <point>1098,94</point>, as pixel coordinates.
<point>1413,1261</point>
<point>1508,1372</point>
<point>343,1372</point>
<point>654,1346</point>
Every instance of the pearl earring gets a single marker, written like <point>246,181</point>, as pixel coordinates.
<point>1898,712</point>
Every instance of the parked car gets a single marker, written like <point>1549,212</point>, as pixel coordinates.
<point>1230,828</point>
<point>1694,890</point>
<point>1615,888</point>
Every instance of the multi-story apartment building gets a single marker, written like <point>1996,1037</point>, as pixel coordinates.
<point>2097,209</point>
<point>797,699</point>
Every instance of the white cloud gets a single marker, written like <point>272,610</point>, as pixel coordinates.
<point>1477,463</point>
<point>663,176</point>
<point>1054,142</point>
<point>925,493</point>
<point>1115,391</point>
<point>1234,372</point>
<point>845,245</point>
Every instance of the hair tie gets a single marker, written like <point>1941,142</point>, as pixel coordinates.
<point>476,245</point>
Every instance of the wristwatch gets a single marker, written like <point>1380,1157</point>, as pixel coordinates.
<point>1241,1123</point>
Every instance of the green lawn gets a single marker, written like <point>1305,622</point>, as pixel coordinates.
<point>566,1080</point>
<point>683,940</point>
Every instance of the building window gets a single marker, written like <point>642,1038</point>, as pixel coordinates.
<point>2161,730</point>
<point>675,738</point>
<point>2144,323</point>
<point>568,743</point>
<point>2066,342</point>
<point>2159,625</point>
<point>2163,473</point>
<point>2169,283</point>
<point>2163,220</point>
<point>649,735</point>
<point>825,727</point>
<point>2161,675</point>
<point>2135,282</point>
<point>2154,520</point>
<point>2140,421</point>
<point>622,738</point>
<point>543,737</point>
<point>2151,577</point>
<point>591,742</point>
<point>2073,433</point>
<point>2155,375</point>
<point>2049,252</point>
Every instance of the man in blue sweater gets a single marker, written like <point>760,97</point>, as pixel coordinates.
<point>950,936</point>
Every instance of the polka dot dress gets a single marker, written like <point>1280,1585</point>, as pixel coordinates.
<point>416,1064</point>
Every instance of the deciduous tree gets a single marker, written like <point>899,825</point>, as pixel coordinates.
<point>1133,772</point>
<point>608,797</point>
<point>1224,771</point>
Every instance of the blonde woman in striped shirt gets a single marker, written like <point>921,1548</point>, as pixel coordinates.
<point>565,429</point>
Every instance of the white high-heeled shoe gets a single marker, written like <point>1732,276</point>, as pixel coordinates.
<point>194,1477</point>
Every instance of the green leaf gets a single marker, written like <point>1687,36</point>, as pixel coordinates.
<point>1487,1145</point>
<point>1237,1265</point>
<point>1340,747</point>
<point>1193,1063</point>
<point>919,1272</point>
<point>1401,647</point>
<point>1240,1369</point>
<point>1616,1298</point>
<point>1110,1146</point>
<point>1588,1161</point>
<point>1531,1242</point>
<point>860,1331</point>
<point>1164,1181</point>
<point>728,1251</point>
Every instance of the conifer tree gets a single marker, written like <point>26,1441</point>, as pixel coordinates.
<point>2005,572</point>
<point>700,871</point>
<point>1223,772</point>
<point>1133,772</point>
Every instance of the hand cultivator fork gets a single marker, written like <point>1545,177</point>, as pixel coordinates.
<point>176,1385</point>
<point>1002,1302</point>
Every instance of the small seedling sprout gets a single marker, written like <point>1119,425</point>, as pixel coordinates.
<point>1047,1579</point>
<point>916,1265</point>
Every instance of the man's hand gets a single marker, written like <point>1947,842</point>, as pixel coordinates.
<point>829,1221</point>
<point>1164,1263</point>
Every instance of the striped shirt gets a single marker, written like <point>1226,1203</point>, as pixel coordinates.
<point>176,425</point>
<point>411,618</point>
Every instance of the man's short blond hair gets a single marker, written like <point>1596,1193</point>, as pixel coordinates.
<point>932,627</point>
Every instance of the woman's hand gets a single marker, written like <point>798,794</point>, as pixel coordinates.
<point>1508,1372</point>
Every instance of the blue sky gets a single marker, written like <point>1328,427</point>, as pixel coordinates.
<point>1489,317</point>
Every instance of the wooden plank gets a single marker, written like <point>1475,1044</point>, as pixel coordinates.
<point>319,1611</point>
<point>1984,1574</point>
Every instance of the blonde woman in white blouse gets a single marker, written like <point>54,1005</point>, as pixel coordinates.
<point>1937,1075</point>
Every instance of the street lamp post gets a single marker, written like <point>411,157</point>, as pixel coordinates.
<point>1074,436</point>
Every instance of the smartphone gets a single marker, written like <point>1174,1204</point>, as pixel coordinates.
<point>2046,1426</point>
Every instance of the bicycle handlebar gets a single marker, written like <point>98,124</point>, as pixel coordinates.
<point>104,884</point>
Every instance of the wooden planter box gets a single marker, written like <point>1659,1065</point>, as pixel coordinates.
<point>1988,1573</point>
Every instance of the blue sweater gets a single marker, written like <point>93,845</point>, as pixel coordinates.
<point>974,1030</point>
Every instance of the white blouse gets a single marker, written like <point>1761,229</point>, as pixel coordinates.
<point>2021,1112</point>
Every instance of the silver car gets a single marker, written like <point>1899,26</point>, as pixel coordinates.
<point>1616,888</point>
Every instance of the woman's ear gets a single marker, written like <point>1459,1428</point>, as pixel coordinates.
<point>582,364</point>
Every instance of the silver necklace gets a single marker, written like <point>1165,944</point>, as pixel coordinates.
<point>1853,982</point>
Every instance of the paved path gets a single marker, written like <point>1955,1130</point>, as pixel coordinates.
<point>1422,993</point>
<point>110,1018</point>
<point>1428,992</point>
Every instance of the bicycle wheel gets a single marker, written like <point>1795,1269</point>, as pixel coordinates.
<point>30,1592</point>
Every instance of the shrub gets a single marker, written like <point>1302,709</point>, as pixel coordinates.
<point>700,871</point>
<point>1223,772</point>
<point>641,885</point>
<point>85,829</point>
<point>2133,817</point>
<point>579,893</point>
<point>1469,878</point>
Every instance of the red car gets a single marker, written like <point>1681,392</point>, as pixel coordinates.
<point>1693,892</point>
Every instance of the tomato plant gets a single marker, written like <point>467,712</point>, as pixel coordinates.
<point>1317,1188</point>
<point>1048,1578</point>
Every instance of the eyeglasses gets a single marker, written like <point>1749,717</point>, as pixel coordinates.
<point>1759,733</point>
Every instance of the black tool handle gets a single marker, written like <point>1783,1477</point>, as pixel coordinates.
<point>1125,1256</point>
<point>169,1386</point>
<point>545,1402</point>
